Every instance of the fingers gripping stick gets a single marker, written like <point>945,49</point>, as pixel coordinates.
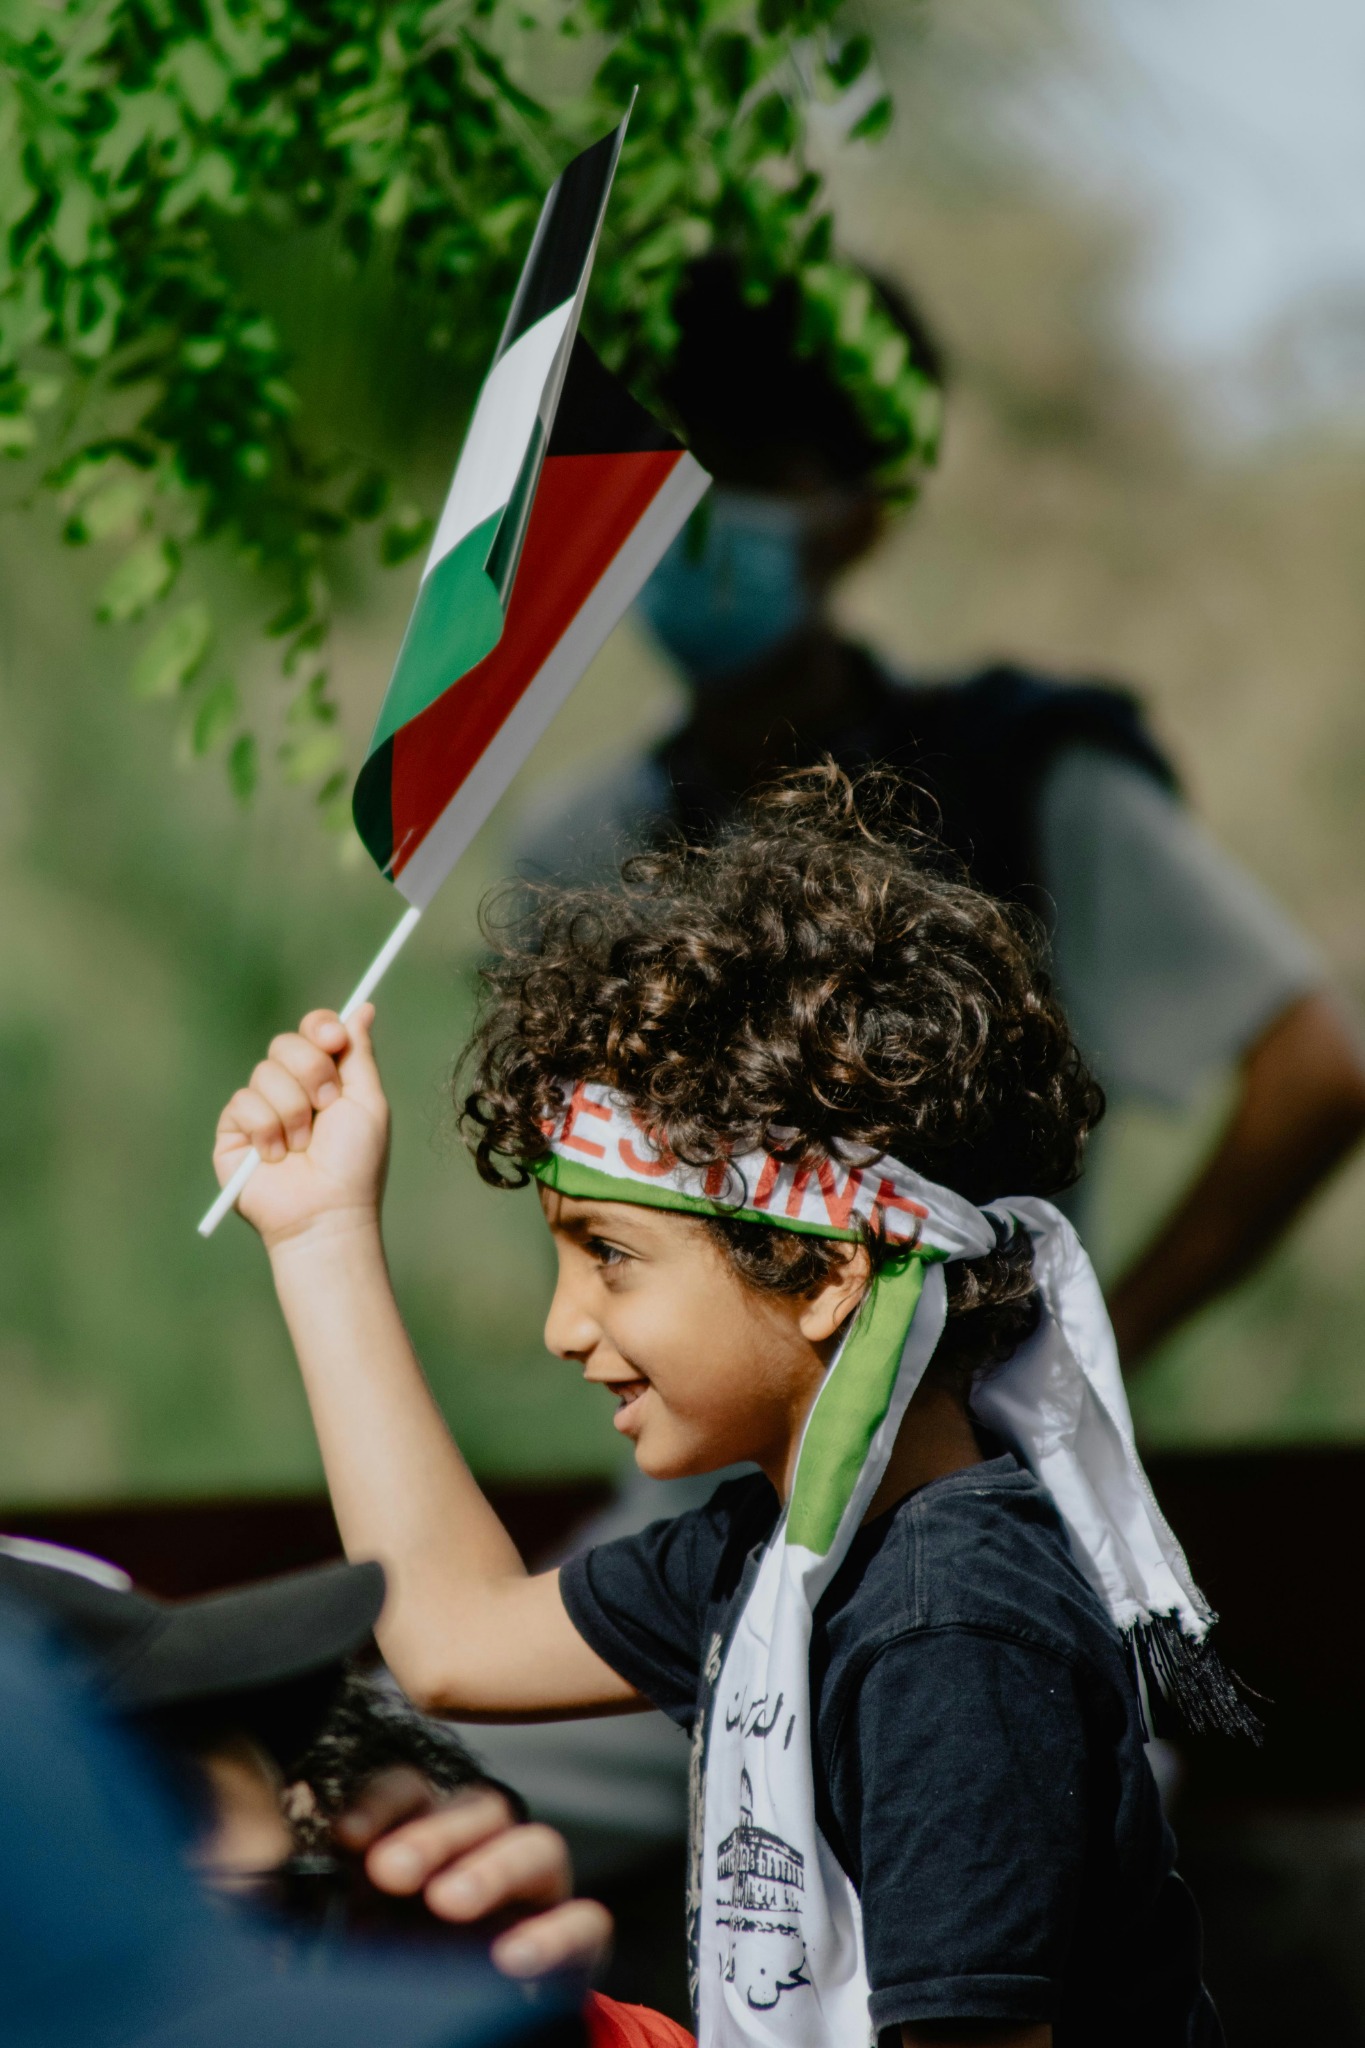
<point>364,989</point>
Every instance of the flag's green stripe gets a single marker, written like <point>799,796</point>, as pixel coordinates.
<point>851,1405</point>
<point>455,622</point>
<point>590,1184</point>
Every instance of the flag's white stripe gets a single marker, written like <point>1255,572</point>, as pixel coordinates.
<point>559,367</point>
<point>500,432</point>
<point>511,400</point>
<point>617,587</point>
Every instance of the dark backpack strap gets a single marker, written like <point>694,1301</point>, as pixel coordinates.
<point>982,747</point>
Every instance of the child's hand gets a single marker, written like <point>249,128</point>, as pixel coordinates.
<point>472,1859</point>
<point>315,1111</point>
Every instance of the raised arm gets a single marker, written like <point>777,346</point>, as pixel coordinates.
<point>465,1627</point>
<point>1300,1110</point>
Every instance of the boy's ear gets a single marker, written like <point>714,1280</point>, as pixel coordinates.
<point>825,1311</point>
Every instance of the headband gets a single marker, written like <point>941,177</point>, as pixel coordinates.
<point>1059,1403</point>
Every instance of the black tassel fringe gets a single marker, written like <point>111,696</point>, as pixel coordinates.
<point>1192,1679</point>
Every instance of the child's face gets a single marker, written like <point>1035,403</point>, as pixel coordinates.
<point>707,1370</point>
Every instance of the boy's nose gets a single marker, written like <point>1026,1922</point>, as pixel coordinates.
<point>570,1331</point>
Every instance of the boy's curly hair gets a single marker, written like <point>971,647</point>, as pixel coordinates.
<point>823,971</point>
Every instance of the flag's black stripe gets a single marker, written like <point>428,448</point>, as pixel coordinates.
<point>508,541</point>
<point>598,416</point>
<point>563,239</point>
<point>372,805</point>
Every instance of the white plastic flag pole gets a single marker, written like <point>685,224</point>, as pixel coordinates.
<point>361,993</point>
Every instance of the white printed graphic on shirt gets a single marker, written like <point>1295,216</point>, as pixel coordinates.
<point>782,1937</point>
<point>766,1954</point>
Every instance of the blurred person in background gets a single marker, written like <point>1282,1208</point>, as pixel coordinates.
<point>311,1791</point>
<point>1172,962</point>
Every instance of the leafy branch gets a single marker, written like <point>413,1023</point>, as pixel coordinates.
<point>141,377</point>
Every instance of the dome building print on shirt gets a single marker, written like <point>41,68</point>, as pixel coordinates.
<point>764,1954</point>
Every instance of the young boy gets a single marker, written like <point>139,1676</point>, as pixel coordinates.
<point>762,1090</point>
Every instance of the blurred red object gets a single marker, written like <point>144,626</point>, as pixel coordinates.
<point>613,2025</point>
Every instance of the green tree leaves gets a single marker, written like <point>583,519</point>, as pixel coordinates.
<point>174,653</point>
<point>140,579</point>
<point>215,716</point>
<point>133,131</point>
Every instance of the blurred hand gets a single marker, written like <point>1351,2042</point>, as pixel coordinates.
<point>471,1858</point>
<point>315,1110</point>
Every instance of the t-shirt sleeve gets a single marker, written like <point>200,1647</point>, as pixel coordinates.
<point>961,1789</point>
<point>1171,958</point>
<point>641,1600</point>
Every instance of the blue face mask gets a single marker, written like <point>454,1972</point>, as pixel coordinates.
<point>718,609</point>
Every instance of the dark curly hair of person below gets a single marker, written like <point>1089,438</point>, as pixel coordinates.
<point>370,1728</point>
<point>821,983</point>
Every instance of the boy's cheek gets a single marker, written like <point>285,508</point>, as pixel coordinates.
<point>673,1446</point>
<point>660,1434</point>
<point>655,1462</point>
<point>661,1448</point>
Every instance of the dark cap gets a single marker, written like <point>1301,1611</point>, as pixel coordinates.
<point>160,1653</point>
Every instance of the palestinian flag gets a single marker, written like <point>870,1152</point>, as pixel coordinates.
<point>565,496</point>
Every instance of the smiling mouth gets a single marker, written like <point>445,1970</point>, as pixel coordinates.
<point>628,1391</point>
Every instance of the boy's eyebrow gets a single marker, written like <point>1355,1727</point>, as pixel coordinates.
<point>584,1222</point>
<point>577,1225</point>
<point>592,1220</point>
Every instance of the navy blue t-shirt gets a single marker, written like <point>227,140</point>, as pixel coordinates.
<point>979,1768</point>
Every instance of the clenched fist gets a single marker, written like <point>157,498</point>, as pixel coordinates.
<point>316,1112</point>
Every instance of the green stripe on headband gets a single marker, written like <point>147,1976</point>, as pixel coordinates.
<point>590,1184</point>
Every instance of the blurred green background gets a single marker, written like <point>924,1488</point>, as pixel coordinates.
<point>1106,504</point>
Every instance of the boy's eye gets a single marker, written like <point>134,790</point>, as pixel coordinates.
<point>605,1254</point>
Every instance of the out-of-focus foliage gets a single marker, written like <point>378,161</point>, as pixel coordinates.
<point>142,140</point>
